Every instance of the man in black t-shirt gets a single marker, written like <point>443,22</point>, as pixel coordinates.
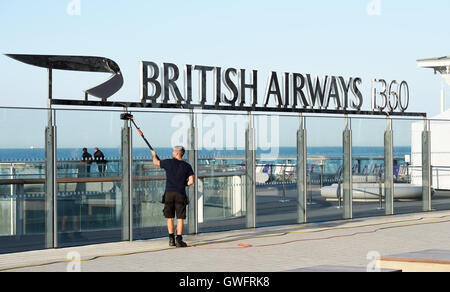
<point>86,163</point>
<point>179,175</point>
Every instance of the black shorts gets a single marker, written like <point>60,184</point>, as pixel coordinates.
<point>175,203</point>
<point>69,207</point>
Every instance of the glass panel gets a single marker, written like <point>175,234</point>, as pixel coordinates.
<point>89,184</point>
<point>22,158</point>
<point>440,161</point>
<point>149,182</point>
<point>407,165</point>
<point>276,188</point>
<point>324,168</point>
<point>368,167</point>
<point>222,168</point>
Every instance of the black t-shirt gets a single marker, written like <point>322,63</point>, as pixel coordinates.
<point>177,174</point>
<point>87,157</point>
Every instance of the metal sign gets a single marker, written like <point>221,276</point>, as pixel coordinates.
<point>233,89</point>
<point>166,86</point>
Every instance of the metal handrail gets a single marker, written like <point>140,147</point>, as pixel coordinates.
<point>38,181</point>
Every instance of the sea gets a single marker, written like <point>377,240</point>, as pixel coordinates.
<point>68,154</point>
<point>370,158</point>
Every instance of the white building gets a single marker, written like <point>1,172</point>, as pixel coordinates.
<point>440,134</point>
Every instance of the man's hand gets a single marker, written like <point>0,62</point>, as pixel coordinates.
<point>156,161</point>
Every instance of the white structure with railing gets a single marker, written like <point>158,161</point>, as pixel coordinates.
<point>440,138</point>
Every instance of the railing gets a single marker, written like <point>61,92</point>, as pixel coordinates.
<point>73,177</point>
<point>95,190</point>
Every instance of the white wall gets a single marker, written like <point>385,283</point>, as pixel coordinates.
<point>440,151</point>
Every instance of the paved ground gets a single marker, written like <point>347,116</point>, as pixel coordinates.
<point>345,243</point>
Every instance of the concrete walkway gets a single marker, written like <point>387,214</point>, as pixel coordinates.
<point>354,243</point>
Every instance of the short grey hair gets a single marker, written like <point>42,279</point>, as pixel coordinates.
<point>179,148</point>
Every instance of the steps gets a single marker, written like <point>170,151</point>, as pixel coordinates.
<point>421,261</point>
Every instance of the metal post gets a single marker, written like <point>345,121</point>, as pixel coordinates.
<point>301,173</point>
<point>50,97</point>
<point>443,97</point>
<point>347,171</point>
<point>51,212</point>
<point>380,191</point>
<point>389,168</point>
<point>51,230</point>
<point>127,194</point>
<point>426,167</point>
<point>283,185</point>
<point>250,174</point>
<point>322,172</point>
<point>20,210</point>
<point>11,202</point>
<point>193,161</point>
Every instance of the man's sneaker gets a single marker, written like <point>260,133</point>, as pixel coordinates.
<point>180,242</point>
<point>172,240</point>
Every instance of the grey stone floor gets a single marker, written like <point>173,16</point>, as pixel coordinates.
<point>352,243</point>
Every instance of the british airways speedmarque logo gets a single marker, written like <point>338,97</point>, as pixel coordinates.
<point>80,63</point>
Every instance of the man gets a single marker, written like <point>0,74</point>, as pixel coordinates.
<point>179,175</point>
<point>99,157</point>
<point>86,162</point>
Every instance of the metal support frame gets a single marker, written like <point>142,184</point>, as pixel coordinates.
<point>250,159</point>
<point>302,186</point>
<point>127,181</point>
<point>426,167</point>
<point>193,161</point>
<point>347,171</point>
<point>388,169</point>
<point>229,108</point>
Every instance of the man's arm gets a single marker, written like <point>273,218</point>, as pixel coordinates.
<point>156,160</point>
<point>190,181</point>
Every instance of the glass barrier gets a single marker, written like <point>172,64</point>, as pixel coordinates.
<point>368,167</point>
<point>407,165</point>
<point>90,200</point>
<point>324,168</point>
<point>22,180</point>
<point>440,165</point>
<point>276,179</point>
<point>89,196</point>
<point>221,172</point>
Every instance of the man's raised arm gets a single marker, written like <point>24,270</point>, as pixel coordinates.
<point>156,160</point>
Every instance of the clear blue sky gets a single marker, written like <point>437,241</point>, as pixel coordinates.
<point>318,37</point>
